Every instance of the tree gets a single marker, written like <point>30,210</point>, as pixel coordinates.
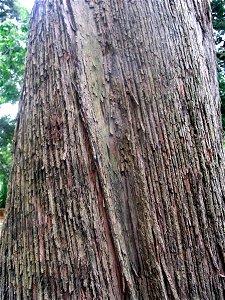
<point>13,38</point>
<point>117,183</point>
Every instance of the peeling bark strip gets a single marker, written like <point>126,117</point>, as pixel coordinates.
<point>117,182</point>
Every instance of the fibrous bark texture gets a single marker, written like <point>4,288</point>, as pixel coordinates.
<point>117,182</point>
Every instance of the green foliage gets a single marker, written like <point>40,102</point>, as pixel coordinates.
<point>218,17</point>
<point>218,14</point>
<point>13,38</point>
<point>6,136</point>
<point>222,93</point>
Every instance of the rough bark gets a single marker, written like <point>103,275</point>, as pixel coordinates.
<point>117,182</point>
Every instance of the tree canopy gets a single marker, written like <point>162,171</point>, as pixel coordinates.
<point>13,38</point>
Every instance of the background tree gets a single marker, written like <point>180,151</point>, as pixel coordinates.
<point>117,183</point>
<point>6,136</point>
<point>13,39</point>
<point>218,18</point>
<point>8,9</point>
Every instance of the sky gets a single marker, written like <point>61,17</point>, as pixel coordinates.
<point>27,3</point>
<point>7,108</point>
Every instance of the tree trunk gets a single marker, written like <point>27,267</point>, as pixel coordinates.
<point>117,182</point>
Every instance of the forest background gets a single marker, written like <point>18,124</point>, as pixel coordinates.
<point>14,28</point>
